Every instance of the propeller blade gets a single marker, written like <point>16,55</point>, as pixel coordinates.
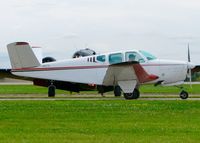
<point>189,68</point>
<point>189,60</point>
<point>190,74</point>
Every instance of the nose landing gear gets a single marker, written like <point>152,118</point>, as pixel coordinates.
<point>184,94</point>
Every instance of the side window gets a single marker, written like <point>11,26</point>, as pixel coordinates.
<point>101,58</point>
<point>90,59</point>
<point>133,56</point>
<point>115,58</point>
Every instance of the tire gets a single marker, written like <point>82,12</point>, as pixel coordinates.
<point>117,91</point>
<point>184,95</point>
<point>134,95</point>
<point>51,91</point>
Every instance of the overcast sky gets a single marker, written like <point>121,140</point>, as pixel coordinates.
<point>60,27</point>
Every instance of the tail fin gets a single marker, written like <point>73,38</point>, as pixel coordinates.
<point>21,55</point>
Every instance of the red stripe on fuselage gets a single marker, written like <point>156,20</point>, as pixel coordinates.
<point>160,64</point>
<point>56,68</point>
<point>78,67</point>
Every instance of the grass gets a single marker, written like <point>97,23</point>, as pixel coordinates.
<point>195,89</point>
<point>25,89</point>
<point>99,121</point>
<point>145,89</point>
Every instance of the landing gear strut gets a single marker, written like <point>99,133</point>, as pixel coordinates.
<point>51,90</point>
<point>134,95</point>
<point>117,91</point>
<point>183,94</point>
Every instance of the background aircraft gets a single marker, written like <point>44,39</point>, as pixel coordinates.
<point>125,69</point>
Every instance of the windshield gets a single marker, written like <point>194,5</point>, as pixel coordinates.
<point>133,56</point>
<point>148,55</point>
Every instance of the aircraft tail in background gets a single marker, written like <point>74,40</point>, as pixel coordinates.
<point>22,56</point>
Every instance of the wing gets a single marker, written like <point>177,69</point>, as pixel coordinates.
<point>127,75</point>
<point>73,87</point>
<point>6,73</point>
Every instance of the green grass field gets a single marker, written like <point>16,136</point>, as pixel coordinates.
<point>117,121</point>
<point>145,89</point>
<point>99,121</point>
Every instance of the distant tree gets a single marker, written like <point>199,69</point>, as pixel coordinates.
<point>195,77</point>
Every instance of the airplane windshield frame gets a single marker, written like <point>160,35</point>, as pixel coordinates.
<point>147,55</point>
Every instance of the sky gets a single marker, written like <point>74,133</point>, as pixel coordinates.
<point>61,27</point>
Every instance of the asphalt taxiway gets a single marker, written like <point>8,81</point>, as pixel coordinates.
<point>91,99</point>
<point>24,97</point>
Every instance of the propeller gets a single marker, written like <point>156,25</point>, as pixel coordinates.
<point>190,66</point>
<point>189,69</point>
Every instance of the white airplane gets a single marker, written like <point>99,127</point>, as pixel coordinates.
<point>126,69</point>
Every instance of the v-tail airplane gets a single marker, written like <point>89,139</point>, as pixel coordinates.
<point>125,70</point>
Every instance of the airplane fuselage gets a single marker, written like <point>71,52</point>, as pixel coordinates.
<point>93,69</point>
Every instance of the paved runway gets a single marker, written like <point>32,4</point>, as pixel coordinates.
<point>39,97</point>
<point>92,99</point>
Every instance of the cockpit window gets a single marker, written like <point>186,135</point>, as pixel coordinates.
<point>148,55</point>
<point>115,58</point>
<point>134,56</point>
<point>101,58</point>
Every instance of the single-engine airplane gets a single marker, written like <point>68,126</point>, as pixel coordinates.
<point>125,69</point>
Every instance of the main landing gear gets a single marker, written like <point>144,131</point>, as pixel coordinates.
<point>51,90</point>
<point>117,91</point>
<point>134,95</point>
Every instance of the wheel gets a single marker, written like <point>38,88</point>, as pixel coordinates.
<point>51,91</point>
<point>117,91</point>
<point>183,95</point>
<point>134,95</point>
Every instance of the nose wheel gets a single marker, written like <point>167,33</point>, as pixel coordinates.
<point>184,94</point>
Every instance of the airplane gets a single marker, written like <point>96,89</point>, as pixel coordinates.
<point>126,70</point>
